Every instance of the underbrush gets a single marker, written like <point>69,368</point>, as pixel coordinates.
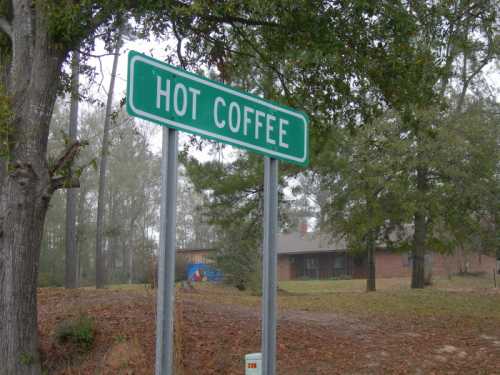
<point>79,332</point>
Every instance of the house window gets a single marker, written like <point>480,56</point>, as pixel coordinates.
<point>339,262</point>
<point>339,265</point>
<point>312,267</point>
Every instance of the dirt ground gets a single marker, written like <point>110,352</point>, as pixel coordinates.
<point>215,337</point>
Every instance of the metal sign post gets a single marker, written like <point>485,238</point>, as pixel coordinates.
<point>269,263</point>
<point>177,99</point>
<point>166,261</point>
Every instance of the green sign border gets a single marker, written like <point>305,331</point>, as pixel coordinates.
<point>134,56</point>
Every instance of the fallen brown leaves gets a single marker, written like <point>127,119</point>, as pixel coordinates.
<point>125,326</point>
<point>216,335</point>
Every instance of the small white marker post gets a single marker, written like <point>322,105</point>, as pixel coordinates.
<point>166,261</point>
<point>269,266</point>
<point>253,364</point>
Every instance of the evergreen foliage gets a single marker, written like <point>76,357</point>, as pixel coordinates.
<point>234,200</point>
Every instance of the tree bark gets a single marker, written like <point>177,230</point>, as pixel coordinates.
<point>131,247</point>
<point>100,266</point>
<point>113,240</point>
<point>370,281</point>
<point>70,277</point>
<point>497,234</point>
<point>80,231</point>
<point>419,237</point>
<point>26,186</point>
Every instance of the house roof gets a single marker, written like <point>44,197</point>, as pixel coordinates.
<point>312,242</point>
<point>193,249</point>
<point>293,243</point>
<point>296,243</point>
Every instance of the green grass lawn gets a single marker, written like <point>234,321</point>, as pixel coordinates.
<point>457,283</point>
<point>461,298</point>
<point>331,286</point>
<point>419,303</point>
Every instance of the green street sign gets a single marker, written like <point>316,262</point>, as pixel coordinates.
<point>178,99</point>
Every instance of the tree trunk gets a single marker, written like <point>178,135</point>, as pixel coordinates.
<point>497,235</point>
<point>131,248</point>
<point>113,240</point>
<point>100,266</point>
<point>131,259</point>
<point>419,237</point>
<point>370,281</point>
<point>26,186</point>
<point>418,274</point>
<point>80,232</point>
<point>70,278</point>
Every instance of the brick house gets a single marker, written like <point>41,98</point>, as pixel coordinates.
<point>309,255</point>
<point>312,256</point>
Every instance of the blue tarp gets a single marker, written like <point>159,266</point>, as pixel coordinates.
<point>203,272</point>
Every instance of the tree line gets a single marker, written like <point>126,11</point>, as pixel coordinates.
<point>131,200</point>
<point>130,212</point>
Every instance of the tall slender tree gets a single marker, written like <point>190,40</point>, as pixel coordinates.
<point>100,266</point>
<point>71,269</point>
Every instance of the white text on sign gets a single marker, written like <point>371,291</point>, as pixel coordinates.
<point>181,100</point>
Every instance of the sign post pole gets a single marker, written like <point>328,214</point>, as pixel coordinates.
<point>269,261</point>
<point>166,261</point>
<point>180,100</point>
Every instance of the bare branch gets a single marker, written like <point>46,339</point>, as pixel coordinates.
<point>64,183</point>
<point>6,27</point>
<point>96,56</point>
<point>239,20</point>
<point>182,61</point>
<point>467,81</point>
<point>66,158</point>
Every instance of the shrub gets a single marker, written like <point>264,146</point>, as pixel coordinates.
<point>79,331</point>
<point>240,263</point>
